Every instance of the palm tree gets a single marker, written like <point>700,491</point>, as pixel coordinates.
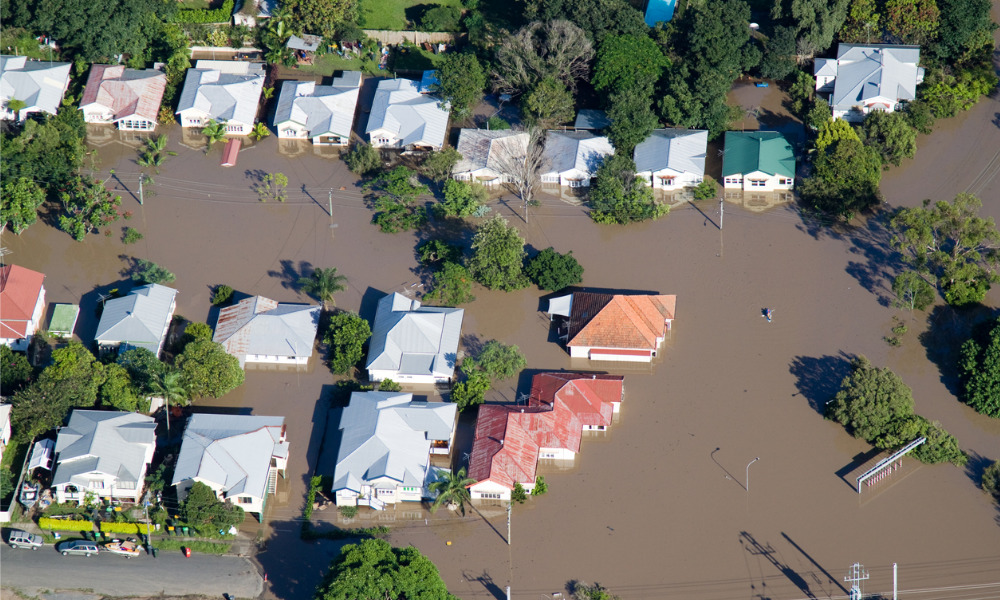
<point>260,131</point>
<point>16,106</point>
<point>452,490</point>
<point>214,131</point>
<point>169,384</point>
<point>323,284</point>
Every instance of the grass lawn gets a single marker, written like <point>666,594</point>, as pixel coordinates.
<point>198,4</point>
<point>396,15</point>
<point>414,59</point>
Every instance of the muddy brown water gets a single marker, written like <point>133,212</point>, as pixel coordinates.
<point>659,506</point>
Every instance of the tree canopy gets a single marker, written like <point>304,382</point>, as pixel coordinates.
<point>321,17</point>
<point>452,285</point>
<point>461,81</point>
<point>979,369</point>
<point>539,50</point>
<point>598,18</point>
<point>625,61</point>
<point>346,335</point>
<point>374,570</point>
<point>845,178</point>
<point>498,256</point>
<point>499,360</point>
<point>209,370</point>
<point>891,134</point>
<point>552,271</point>
<point>618,196</point>
<point>203,510</point>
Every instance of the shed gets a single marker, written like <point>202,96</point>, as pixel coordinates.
<point>230,152</point>
<point>64,319</point>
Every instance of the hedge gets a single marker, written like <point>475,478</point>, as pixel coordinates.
<point>64,524</point>
<point>204,15</point>
<point>130,528</point>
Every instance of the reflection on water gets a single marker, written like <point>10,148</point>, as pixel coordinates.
<point>758,201</point>
<point>295,148</point>
<point>100,134</point>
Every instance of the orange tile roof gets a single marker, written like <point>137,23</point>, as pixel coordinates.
<point>619,321</point>
<point>19,291</point>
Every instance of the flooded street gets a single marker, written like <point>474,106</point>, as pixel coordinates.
<point>660,506</point>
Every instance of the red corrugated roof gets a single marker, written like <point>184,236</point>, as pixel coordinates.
<point>125,96</point>
<point>619,321</point>
<point>507,440</point>
<point>19,291</point>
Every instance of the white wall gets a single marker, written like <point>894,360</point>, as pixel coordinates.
<point>556,454</point>
<point>681,180</point>
<point>379,375</point>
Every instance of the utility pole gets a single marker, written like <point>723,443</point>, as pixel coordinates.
<point>329,201</point>
<point>142,176</point>
<point>509,506</point>
<point>894,596</point>
<point>855,575</point>
<point>722,210</point>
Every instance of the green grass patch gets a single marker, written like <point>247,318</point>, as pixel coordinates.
<point>397,15</point>
<point>413,58</point>
<point>20,42</point>
<point>195,546</point>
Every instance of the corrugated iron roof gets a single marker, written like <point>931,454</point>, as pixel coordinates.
<point>40,84</point>
<point>679,150</point>
<point>125,92</point>
<point>110,442</point>
<point>19,292</point>
<point>321,109</point>
<point>579,150</point>
<point>765,151</point>
<point>262,326</point>
<point>415,339</point>
<point>412,117</point>
<point>139,319</point>
<point>873,70</point>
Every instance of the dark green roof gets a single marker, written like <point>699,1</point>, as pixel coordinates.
<point>765,151</point>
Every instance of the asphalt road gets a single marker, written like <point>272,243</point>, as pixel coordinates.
<point>169,574</point>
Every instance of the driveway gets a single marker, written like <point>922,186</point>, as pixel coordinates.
<point>169,574</point>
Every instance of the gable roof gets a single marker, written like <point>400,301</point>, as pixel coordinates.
<point>592,118</point>
<point>389,435</point>
<point>502,451</point>
<point>261,326</point>
<point>233,452</point>
<point>40,84</point>
<point>321,109</point>
<point>870,71</point>
<point>111,442</point>
<point>580,150</point>
<point>19,292</point>
<point>765,151</point>
<point>680,150</point>
<point>307,43</point>
<point>620,320</point>
<point>412,117</point>
<point>590,396</point>
<point>488,149</point>
<point>224,90</point>
<point>138,319</point>
<point>124,91</point>
<point>415,339</point>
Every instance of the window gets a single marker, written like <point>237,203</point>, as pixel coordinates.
<point>758,183</point>
<point>550,179</point>
<point>409,489</point>
<point>489,496</point>
<point>734,180</point>
<point>547,455</point>
<point>385,492</point>
<point>244,500</point>
<point>96,484</point>
<point>785,181</point>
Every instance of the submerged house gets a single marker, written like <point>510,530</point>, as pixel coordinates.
<point>404,118</point>
<point>139,320</point>
<point>488,156</point>
<point>322,113</point>
<point>261,330</point>
<point>22,305</point>
<point>672,159</point>
<point>129,98</point>
<point>573,157</point>
<point>412,343</point>
<point>614,327</point>
<point>867,77</point>
<point>758,161</point>
<point>227,92</point>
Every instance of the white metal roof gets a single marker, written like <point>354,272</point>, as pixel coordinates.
<point>231,451</point>
<point>414,339</point>
<point>223,90</point>
<point>575,150</point>
<point>410,116</point>
<point>261,326</point>
<point>680,150</point>
<point>865,72</point>
<point>111,442</point>
<point>321,109</point>
<point>388,435</point>
<point>138,319</point>
<point>40,84</point>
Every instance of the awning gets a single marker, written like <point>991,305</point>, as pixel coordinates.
<point>560,306</point>
<point>41,456</point>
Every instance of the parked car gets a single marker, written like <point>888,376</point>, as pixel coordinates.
<point>23,539</point>
<point>77,547</point>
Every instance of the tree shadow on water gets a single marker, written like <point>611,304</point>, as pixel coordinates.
<point>818,378</point>
<point>947,330</point>
<point>290,274</point>
<point>878,263</point>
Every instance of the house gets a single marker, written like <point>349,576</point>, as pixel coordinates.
<point>510,440</point>
<point>139,320</point>
<point>4,427</point>
<point>413,343</point>
<point>867,77</point>
<point>386,442</point>
<point>238,456</point>
<point>487,156</point>
<point>129,98</point>
<point>39,84</point>
<point>402,117</point>
<point>227,92</point>
<point>672,159</point>
<point>248,12</point>
<point>103,453</point>
<point>260,330</point>
<point>571,158</point>
<point>758,161</point>
<point>591,119</point>
<point>22,305</point>
<point>323,113</point>
<point>615,327</point>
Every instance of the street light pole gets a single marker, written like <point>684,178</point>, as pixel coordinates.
<point>748,472</point>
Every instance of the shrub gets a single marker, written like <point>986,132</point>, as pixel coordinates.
<point>363,159</point>
<point>149,272</point>
<point>222,296</point>
<point>540,486</point>
<point>707,189</point>
<point>204,15</point>
<point>497,124</point>
<point>552,271</point>
<point>518,494</point>
<point>125,528</point>
<point>991,480</point>
<point>441,18</point>
<point>131,235</point>
<point>348,512</point>
<point>64,525</point>
<point>388,385</point>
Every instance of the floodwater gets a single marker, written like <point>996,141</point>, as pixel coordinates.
<point>659,507</point>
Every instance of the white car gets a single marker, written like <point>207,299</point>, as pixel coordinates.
<point>23,539</point>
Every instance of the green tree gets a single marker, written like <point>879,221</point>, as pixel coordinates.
<point>395,193</point>
<point>222,295</point>
<point>118,392</point>
<point>632,118</point>
<point>583,591</point>
<point>461,81</point>
<point>374,570</point>
<point>499,360</point>
<point>273,186</point>
<point>891,134</point>
<point>322,284</point>
<point>496,123</point>
<point>552,271</point>
<point>979,370</point>
<point>441,18</point>
<point>214,132</point>
<point>260,130</point>
<point>518,494</point>
<point>991,480</point>
<point>540,486</point>
<point>599,18</point>
<point>174,387</point>
<point>451,490</point>
<point>869,400</point>
<point>471,391</point>
<point>708,189</point>
<point>920,115</point>
<point>16,106</point>
<point>72,380</point>
<point>619,197</point>
<point>48,151</point>
<point>845,179</point>
<point>778,61</point>
<point>819,115</point>
<point>548,103</point>
<point>539,50</point>
<point>461,199</point>
<point>74,368</point>
<point>154,152</point>
<point>388,385</point>
<point>20,199</point>
<point>452,285</point>
<point>912,21</point>
<point>940,446</point>
<point>625,62</point>
<point>862,23</point>
<point>147,272</point>
<point>438,165</point>
<point>801,92</point>
<point>439,251</point>
<point>952,243</point>
<point>87,206</point>
<point>346,335</point>
<point>965,30</point>
<point>196,331</point>
<point>834,131</point>
<point>498,256</point>
<point>321,17</point>
<point>143,368</point>
<point>912,291</point>
<point>203,510</point>
<point>15,371</point>
<point>818,21</point>
<point>209,370</point>
<point>947,94</point>
<point>363,159</point>
<point>6,482</point>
